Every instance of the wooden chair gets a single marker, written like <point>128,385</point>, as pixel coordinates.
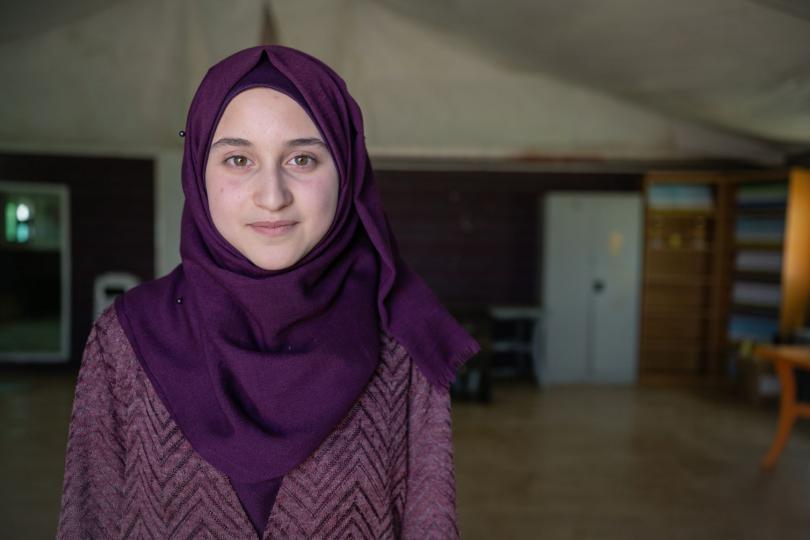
<point>786,359</point>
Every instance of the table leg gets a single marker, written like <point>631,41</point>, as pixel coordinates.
<point>787,412</point>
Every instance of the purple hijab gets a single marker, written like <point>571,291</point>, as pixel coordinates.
<point>257,367</point>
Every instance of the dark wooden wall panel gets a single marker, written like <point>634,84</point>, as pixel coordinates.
<point>473,235</point>
<point>111,220</point>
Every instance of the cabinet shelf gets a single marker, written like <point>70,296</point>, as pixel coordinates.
<point>759,246</point>
<point>743,225</point>
<point>764,276</point>
<point>683,213</point>
<point>751,309</point>
<point>679,251</point>
<point>752,212</point>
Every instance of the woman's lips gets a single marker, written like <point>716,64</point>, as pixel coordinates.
<point>272,228</point>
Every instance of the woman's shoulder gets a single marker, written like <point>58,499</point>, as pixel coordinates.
<point>108,351</point>
<point>107,329</point>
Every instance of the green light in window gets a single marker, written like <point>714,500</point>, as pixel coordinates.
<point>11,222</point>
<point>23,233</point>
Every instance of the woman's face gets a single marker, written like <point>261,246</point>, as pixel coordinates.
<point>272,184</point>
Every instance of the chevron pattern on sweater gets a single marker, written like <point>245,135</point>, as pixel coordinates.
<point>354,485</point>
<point>385,472</point>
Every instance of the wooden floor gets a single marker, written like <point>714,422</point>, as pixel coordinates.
<point>566,463</point>
<point>626,463</point>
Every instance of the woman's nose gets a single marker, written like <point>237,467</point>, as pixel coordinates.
<point>271,191</point>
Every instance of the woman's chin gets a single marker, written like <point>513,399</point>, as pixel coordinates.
<point>273,263</point>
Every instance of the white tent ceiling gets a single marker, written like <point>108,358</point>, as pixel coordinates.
<point>624,78</point>
<point>739,64</point>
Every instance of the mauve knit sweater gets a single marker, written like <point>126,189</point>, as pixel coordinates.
<point>386,471</point>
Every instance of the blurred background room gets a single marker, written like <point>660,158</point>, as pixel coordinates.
<point>612,196</point>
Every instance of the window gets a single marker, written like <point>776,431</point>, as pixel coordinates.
<point>34,273</point>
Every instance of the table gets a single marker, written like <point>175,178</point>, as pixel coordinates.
<point>786,358</point>
<point>523,339</point>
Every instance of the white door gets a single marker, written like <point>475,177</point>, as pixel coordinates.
<point>591,262</point>
<point>617,247</point>
<point>566,296</point>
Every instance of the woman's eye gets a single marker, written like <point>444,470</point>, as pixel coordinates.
<point>303,160</point>
<point>238,161</point>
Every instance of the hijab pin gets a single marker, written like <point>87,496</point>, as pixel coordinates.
<point>179,299</point>
<point>181,133</point>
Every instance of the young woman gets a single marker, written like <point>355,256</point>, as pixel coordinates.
<point>290,378</point>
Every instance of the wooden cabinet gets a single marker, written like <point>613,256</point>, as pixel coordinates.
<point>718,265</point>
<point>683,267</point>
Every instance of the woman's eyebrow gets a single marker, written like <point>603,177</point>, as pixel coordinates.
<point>233,141</point>
<point>229,141</point>
<point>307,141</point>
